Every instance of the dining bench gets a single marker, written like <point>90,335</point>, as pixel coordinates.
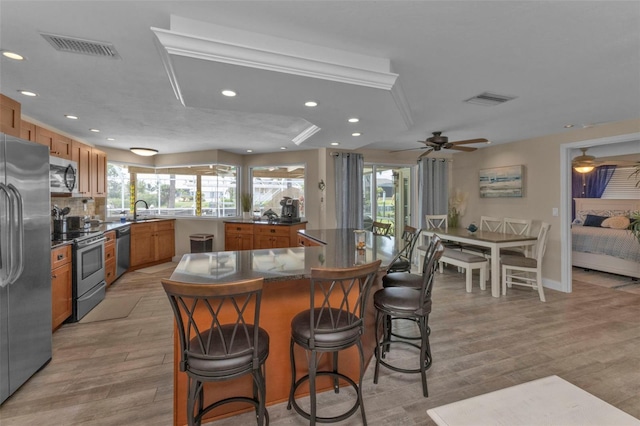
<point>469,262</point>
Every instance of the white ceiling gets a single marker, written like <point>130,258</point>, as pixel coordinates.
<point>569,62</point>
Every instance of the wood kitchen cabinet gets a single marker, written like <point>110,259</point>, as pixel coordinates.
<point>110,257</point>
<point>81,154</point>
<point>238,236</point>
<point>152,243</point>
<point>59,145</point>
<point>92,169</point>
<point>61,280</point>
<point>10,116</point>
<point>27,131</point>
<point>307,242</point>
<point>253,236</point>
<point>98,173</point>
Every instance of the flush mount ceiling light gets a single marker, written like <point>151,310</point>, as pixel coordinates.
<point>356,134</point>
<point>229,93</point>
<point>27,93</point>
<point>249,150</point>
<point>145,152</point>
<point>335,143</point>
<point>311,104</point>
<point>12,55</point>
<point>353,120</point>
<point>94,130</point>
<point>111,139</point>
<point>71,117</point>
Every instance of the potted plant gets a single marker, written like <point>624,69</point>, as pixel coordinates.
<point>246,201</point>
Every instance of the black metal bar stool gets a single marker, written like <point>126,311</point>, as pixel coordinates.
<point>220,339</point>
<point>409,299</point>
<point>402,261</point>
<point>334,322</point>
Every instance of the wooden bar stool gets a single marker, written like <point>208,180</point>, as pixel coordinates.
<point>220,339</point>
<point>334,322</point>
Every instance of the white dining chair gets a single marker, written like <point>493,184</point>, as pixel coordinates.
<point>526,271</point>
<point>517,227</point>
<point>487,223</point>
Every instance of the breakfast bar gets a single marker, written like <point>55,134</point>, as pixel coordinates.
<point>286,273</point>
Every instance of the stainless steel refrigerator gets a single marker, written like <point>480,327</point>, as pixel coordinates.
<point>25,262</point>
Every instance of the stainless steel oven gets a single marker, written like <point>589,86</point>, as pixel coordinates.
<point>89,285</point>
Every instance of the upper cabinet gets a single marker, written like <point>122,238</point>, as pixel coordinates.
<point>27,131</point>
<point>92,169</point>
<point>10,116</point>
<point>81,154</point>
<point>98,173</point>
<point>59,146</point>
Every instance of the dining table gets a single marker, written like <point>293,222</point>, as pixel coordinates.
<point>492,240</point>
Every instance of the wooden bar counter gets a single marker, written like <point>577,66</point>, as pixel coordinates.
<point>286,272</point>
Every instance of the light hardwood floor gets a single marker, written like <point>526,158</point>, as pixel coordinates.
<point>119,371</point>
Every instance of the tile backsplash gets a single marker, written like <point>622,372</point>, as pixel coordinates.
<point>94,207</point>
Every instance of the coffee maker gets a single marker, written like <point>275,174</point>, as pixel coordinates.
<point>290,210</point>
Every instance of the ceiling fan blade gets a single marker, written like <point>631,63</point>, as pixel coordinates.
<point>410,149</point>
<point>424,154</point>
<point>463,148</point>
<point>468,141</point>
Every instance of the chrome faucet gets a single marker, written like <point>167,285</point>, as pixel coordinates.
<point>135,208</point>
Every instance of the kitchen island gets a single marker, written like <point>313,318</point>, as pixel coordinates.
<point>286,292</point>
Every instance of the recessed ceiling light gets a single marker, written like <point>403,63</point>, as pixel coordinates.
<point>111,139</point>
<point>229,93</point>
<point>356,134</point>
<point>488,142</point>
<point>249,150</point>
<point>353,120</point>
<point>283,147</point>
<point>335,143</point>
<point>12,55</point>
<point>28,93</point>
<point>311,104</point>
<point>568,126</point>
<point>94,130</point>
<point>71,117</point>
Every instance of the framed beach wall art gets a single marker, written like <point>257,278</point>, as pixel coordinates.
<point>501,182</point>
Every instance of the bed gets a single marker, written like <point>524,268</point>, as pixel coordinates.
<point>601,248</point>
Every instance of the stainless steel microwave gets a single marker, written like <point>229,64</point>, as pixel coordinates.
<point>63,176</point>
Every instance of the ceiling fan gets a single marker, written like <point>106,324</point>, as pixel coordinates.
<point>585,163</point>
<point>437,142</point>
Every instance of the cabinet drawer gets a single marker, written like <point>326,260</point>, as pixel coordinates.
<point>60,256</point>
<point>272,230</point>
<point>238,228</point>
<point>111,238</point>
<point>307,242</point>
<point>164,225</point>
<point>110,271</point>
<point>109,252</point>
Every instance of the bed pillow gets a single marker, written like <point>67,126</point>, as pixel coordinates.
<point>593,220</point>
<point>616,222</point>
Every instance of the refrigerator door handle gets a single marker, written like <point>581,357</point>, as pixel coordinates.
<point>18,244</point>
<point>5,237</point>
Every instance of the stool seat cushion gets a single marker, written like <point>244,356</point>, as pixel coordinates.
<point>521,261</point>
<point>221,361</point>
<point>344,328</point>
<point>402,279</point>
<point>401,264</point>
<point>400,300</point>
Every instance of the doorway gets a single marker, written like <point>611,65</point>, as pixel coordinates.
<point>387,196</point>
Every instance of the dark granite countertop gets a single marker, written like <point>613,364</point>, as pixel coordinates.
<point>285,263</point>
<point>264,222</point>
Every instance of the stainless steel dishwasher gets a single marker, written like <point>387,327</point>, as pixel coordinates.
<point>123,251</point>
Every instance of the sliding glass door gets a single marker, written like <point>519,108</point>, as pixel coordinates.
<point>387,196</point>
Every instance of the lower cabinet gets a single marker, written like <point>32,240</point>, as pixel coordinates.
<point>61,281</point>
<point>110,257</point>
<point>307,242</point>
<point>152,243</point>
<point>254,236</point>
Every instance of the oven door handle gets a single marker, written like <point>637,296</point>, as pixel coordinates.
<point>82,244</point>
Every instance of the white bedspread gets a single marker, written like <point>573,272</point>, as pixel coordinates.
<point>618,243</point>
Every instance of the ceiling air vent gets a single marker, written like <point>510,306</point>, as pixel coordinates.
<point>84,47</point>
<point>489,99</point>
